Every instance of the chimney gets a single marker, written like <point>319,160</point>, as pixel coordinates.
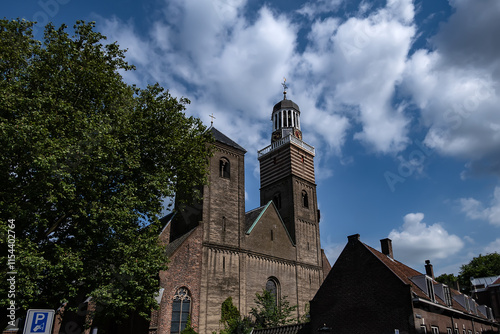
<point>428,269</point>
<point>353,238</point>
<point>386,245</point>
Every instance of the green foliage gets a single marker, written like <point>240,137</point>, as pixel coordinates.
<point>448,279</point>
<point>231,319</point>
<point>306,317</point>
<point>189,328</point>
<point>229,312</point>
<point>481,266</point>
<point>272,313</point>
<point>86,163</point>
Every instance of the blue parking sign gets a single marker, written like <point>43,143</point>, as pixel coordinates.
<point>39,322</point>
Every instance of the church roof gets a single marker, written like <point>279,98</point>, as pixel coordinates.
<point>172,247</point>
<point>286,104</point>
<point>253,217</point>
<point>222,138</point>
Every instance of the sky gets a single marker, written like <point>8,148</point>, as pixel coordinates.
<point>400,99</point>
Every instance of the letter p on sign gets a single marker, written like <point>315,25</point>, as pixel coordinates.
<point>39,322</point>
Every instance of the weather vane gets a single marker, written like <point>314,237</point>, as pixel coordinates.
<point>212,117</point>
<point>285,87</point>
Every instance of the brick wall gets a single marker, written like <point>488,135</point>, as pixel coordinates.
<point>184,270</point>
<point>361,295</point>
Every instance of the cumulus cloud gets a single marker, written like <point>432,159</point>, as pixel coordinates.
<point>456,86</point>
<point>474,209</point>
<point>213,54</point>
<point>415,241</point>
<point>493,247</point>
<point>358,64</point>
<point>345,80</point>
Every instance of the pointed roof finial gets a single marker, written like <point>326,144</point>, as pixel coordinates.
<point>285,87</point>
<point>212,117</point>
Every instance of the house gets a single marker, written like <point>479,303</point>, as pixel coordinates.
<point>368,291</point>
<point>486,290</point>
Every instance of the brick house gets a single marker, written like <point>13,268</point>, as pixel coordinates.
<point>486,290</point>
<point>368,291</point>
<point>217,250</point>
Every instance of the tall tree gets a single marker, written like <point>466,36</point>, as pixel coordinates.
<point>271,312</point>
<point>448,279</point>
<point>480,266</point>
<point>86,163</point>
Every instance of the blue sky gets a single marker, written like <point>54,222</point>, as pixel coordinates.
<point>400,99</point>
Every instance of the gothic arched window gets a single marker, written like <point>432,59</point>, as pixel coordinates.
<point>224,168</point>
<point>305,199</point>
<point>272,286</point>
<point>181,307</point>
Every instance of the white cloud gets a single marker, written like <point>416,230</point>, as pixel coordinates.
<point>415,241</point>
<point>474,209</point>
<point>456,86</point>
<point>493,247</point>
<point>356,65</point>
<point>314,8</point>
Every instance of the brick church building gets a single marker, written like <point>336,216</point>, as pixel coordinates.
<point>217,250</point>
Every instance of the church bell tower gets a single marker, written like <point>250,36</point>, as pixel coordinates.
<point>287,178</point>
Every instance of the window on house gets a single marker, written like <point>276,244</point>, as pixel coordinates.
<point>430,288</point>
<point>449,331</point>
<point>447,295</point>
<point>423,329</point>
<point>489,312</point>
<point>434,330</point>
<point>224,168</point>
<point>277,200</point>
<point>181,307</point>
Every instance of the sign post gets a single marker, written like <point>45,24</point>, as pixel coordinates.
<point>39,322</point>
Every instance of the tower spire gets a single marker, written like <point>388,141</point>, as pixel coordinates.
<point>285,87</point>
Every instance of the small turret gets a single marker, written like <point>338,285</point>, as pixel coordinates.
<point>285,118</point>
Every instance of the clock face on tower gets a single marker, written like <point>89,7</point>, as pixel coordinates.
<point>276,136</point>
<point>298,134</point>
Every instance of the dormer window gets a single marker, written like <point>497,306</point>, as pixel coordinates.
<point>426,284</point>
<point>430,288</point>
<point>224,168</point>
<point>447,295</point>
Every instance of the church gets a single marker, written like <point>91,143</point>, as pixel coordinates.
<point>218,250</point>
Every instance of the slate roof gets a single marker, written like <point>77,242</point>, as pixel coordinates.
<point>252,215</point>
<point>222,138</point>
<point>172,247</point>
<point>286,104</point>
<point>288,329</point>
<point>485,281</point>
